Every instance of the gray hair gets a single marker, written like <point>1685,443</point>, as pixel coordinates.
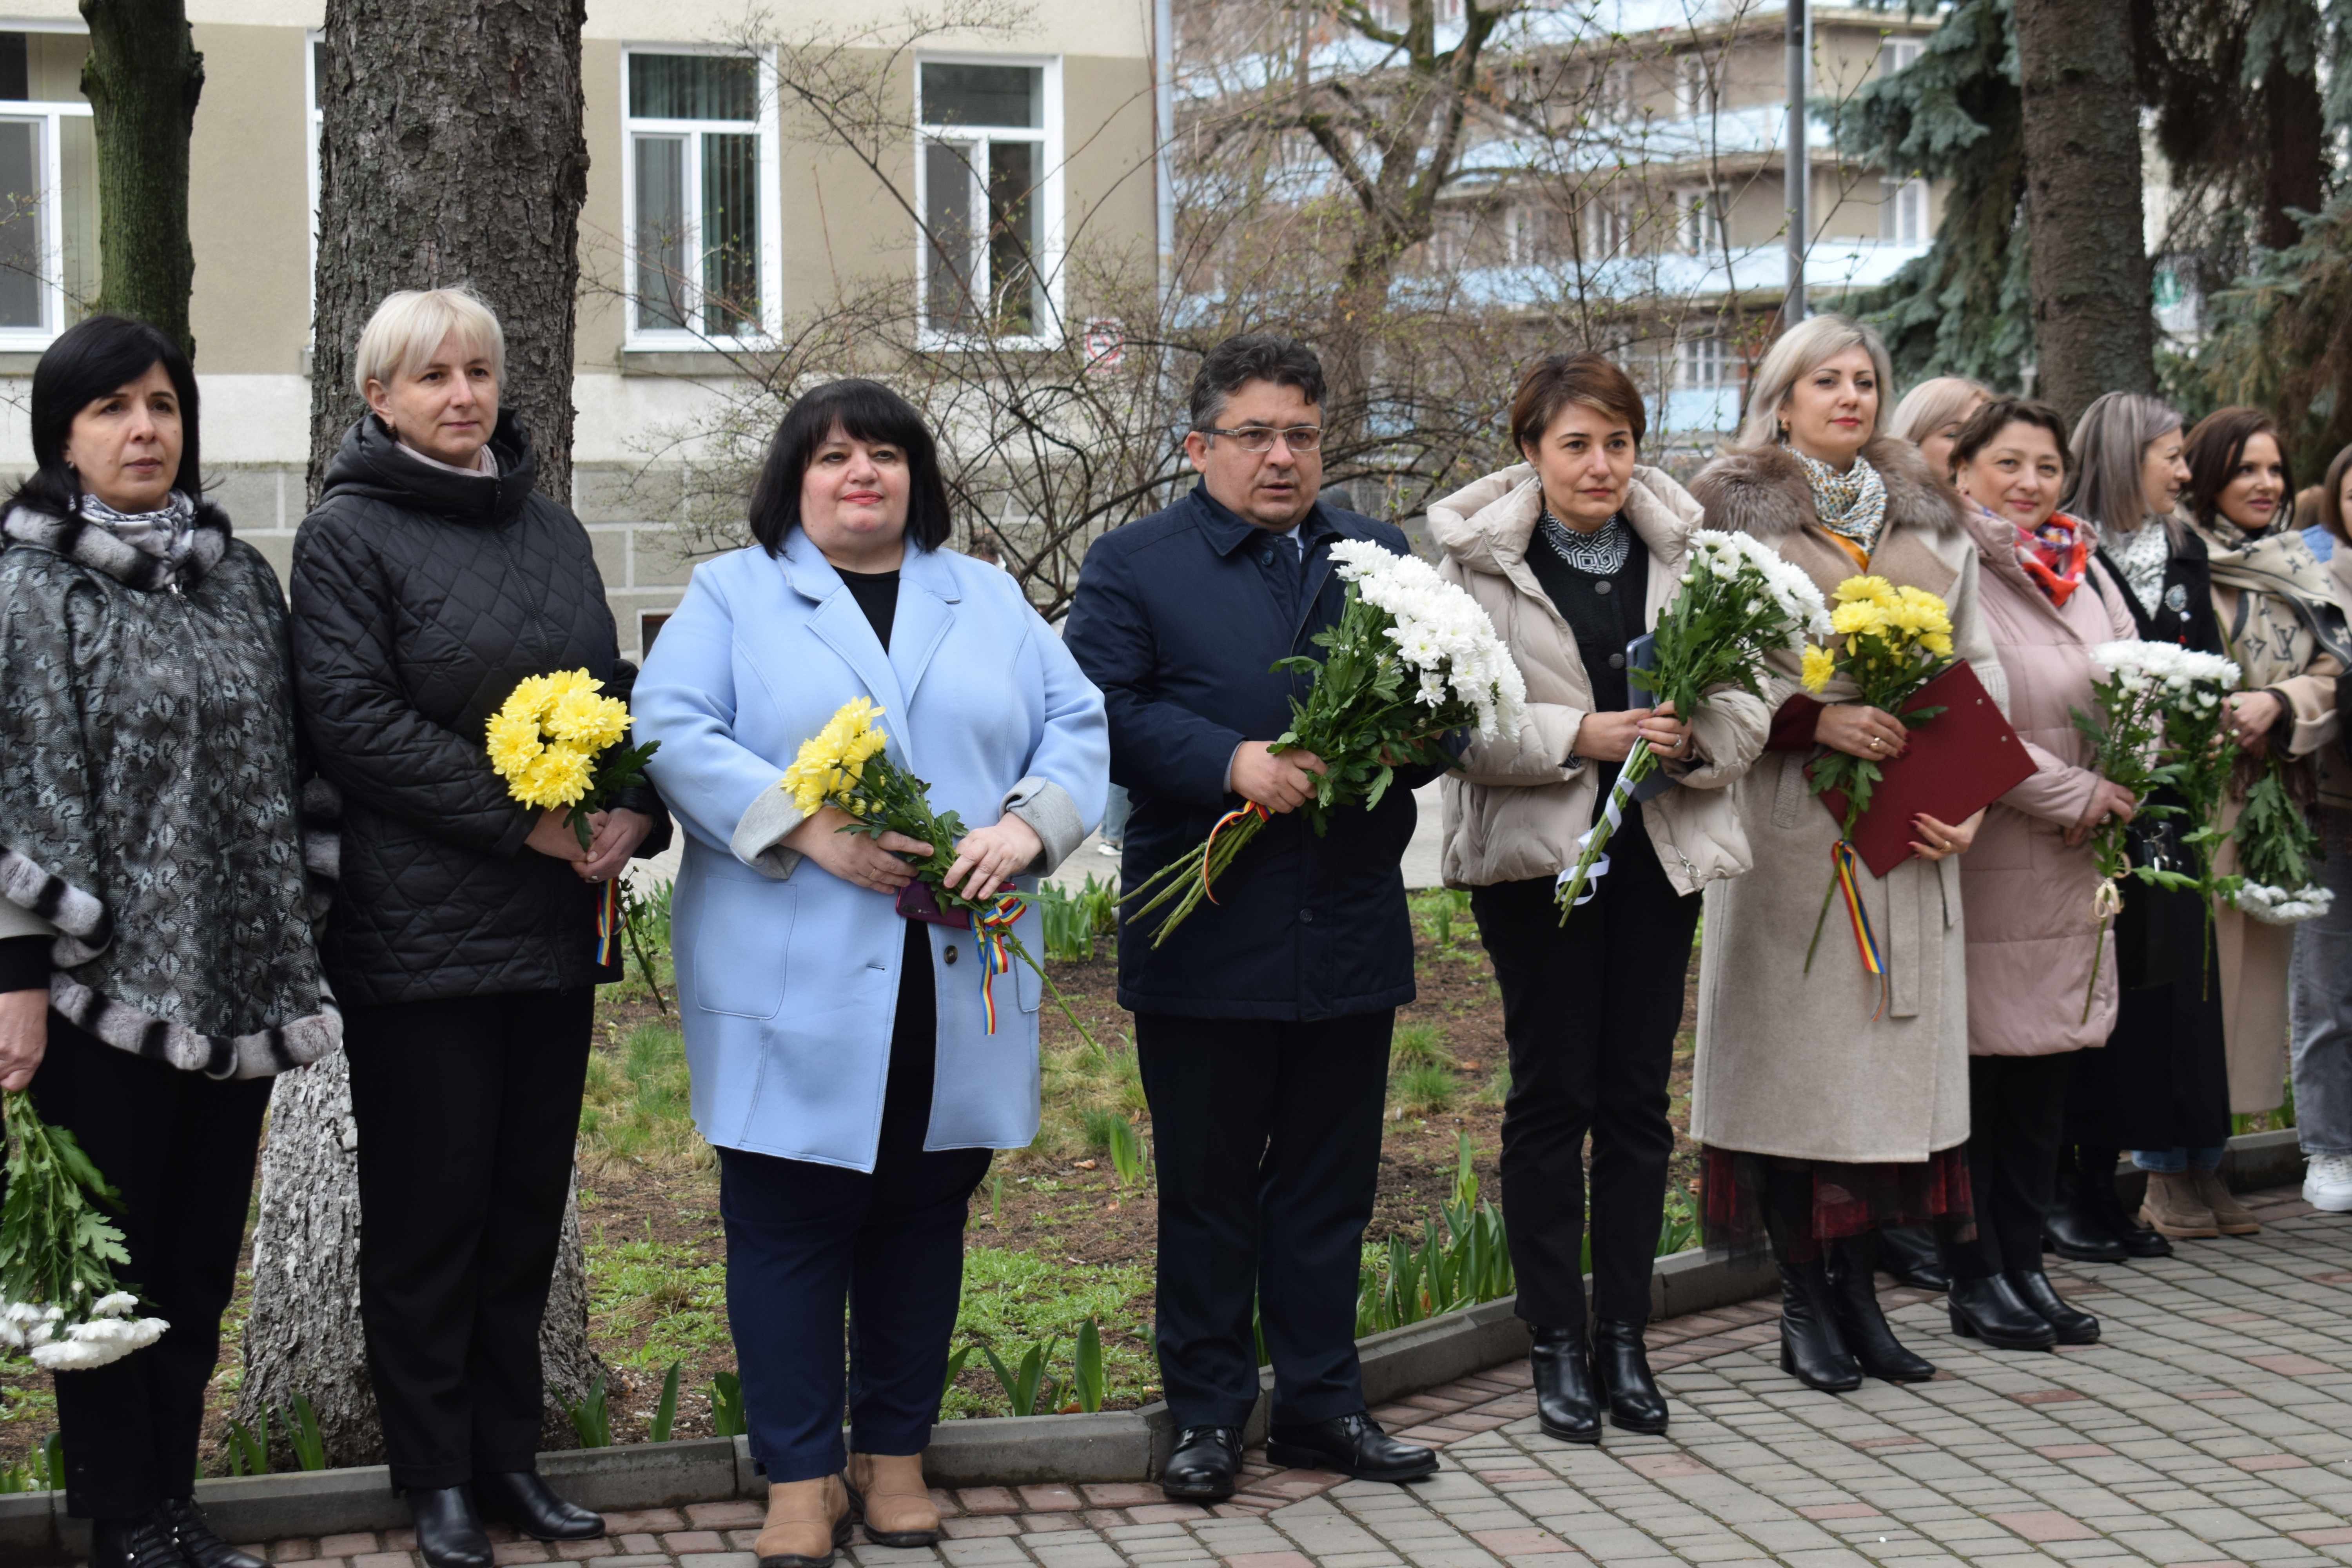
<point>2111,440</point>
<point>400,339</point>
<point>1802,350</point>
<point>1934,404</point>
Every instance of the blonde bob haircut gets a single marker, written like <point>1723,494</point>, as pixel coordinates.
<point>411,325</point>
<point>1801,351</point>
<point>1935,402</point>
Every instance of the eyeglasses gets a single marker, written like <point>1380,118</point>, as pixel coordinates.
<point>1261,438</point>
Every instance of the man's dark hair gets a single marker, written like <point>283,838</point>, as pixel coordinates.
<point>1252,357</point>
<point>865,411</point>
<point>88,360</point>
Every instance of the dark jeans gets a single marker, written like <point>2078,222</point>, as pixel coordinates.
<point>1590,1011</point>
<point>2017,1120</point>
<point>468,1110</point>
<point>180,1148</point>
<point>804,1238</point>
<point>1267,1136</point>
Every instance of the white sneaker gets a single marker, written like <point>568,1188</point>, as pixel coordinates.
<point>2328,1182</point>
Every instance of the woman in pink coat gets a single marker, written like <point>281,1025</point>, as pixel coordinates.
<point>2033,937</point>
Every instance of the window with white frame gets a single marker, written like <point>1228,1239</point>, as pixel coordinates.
<point>1701,224</point>
<point>1703,362</point>
<point>1902,212</point>
<point>990,173</point>
<point>1897,54</point>
<point>699,189</point>
<point>315,70</point>
<point>1698,89</point>
<point>48,188</point>
<point>1611,228</point>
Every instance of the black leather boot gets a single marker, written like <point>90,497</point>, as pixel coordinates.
<point>1621,1372</point>
<point>448,1532</point>
<point>1908,1252</point>
<point>139,1543</point>
<point>1565,1407</point>
<point>2095,1169</point>
<point>1204,1464</point>
<point>2075,1228</point>
<point>197,1543</point>
<point>1813,1351</point>
<point>521,1499</point>
<point>1993,1310</point>
<point>1353,1445</point>
<point>1860,1320</point>
<point>2073,1325</point>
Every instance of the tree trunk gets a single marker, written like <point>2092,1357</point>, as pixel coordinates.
<point>303,1334</point>
<point>453,153</point>
<point>2093,329</point>
<point>2298,136</point>
<point>142,77</point>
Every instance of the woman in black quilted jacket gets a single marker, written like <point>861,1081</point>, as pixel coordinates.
<point>431,580</point>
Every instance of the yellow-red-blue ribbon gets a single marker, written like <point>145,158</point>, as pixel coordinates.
<point>1249,808</point>
<point>1866,941</point>
<point>995,956</point>
<point>608,922</point>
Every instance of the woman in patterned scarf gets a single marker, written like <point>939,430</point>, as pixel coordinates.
<point>2280,622</point>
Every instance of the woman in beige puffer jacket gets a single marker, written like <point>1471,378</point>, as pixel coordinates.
<point>1572,554</point>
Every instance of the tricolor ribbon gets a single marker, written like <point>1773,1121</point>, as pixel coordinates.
<point>608,922</point>
<point>1613,818</point>
<point>1249,808</point>
<point>995,957</point>
<point>1866,941</point>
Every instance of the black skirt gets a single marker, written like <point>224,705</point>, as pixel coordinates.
<point>2162,1080</point>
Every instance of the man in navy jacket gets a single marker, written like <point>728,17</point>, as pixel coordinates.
<point>1262,1026</point>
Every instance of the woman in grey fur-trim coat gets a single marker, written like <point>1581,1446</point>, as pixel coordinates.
<point>157,966</point>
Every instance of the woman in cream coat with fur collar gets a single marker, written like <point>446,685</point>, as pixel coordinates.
<point>1572,554</point>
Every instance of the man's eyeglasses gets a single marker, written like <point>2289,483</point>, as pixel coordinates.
<point>1260,438</point>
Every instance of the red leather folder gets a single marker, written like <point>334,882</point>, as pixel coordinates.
<point>1958,763</point>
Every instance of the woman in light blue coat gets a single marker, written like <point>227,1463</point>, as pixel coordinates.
<point>843,1064</point>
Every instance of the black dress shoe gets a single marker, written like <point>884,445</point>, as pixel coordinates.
<point>1993,1310</point>
<point>1908,1252</point>
<point>1565,1407</point>
<point>448,1532</point>
<point>2073,1326</point>
<point>2095,1172</point>
<point>521,1498</point>
<point>141,1543</point>
<point>1854,1299</point>
<point>1813,1350</point>
<point>1621,1371</point>
<point>180,1519</point>
<point>2075,1228</point>
<point>1353,1445</point>
<point>1204,1464</point>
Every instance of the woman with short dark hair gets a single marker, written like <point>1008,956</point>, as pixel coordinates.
<point>1573,551</point>
<point>844,1063</point>
<point>157,966</point>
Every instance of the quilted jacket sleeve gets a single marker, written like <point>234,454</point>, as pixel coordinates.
<point>365,734</point>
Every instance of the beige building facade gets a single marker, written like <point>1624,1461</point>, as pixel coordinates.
<point>717,214</point>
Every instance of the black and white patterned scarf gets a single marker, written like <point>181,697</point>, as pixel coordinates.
<point>1601,553</point>
<point>1851,505</point>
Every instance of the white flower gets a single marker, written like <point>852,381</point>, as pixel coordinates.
<point>2280,906</point>
<point>121,1304</point>
<point>1441,632</point>
<point>97,1343</point>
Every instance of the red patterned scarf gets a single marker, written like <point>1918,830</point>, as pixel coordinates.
<point>2056,555</point>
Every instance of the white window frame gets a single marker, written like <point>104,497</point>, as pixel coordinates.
<point>1050,199</point>
<point>1704,360</point>
<point>15,340</point>
<point>1897,199</point>
<point>1897,54</point>
<point>314,121</point>
<point>770,186</point>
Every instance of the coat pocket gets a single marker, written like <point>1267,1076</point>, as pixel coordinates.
<point>742,935</point>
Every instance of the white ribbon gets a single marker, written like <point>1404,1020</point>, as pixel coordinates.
<point>1612,816</point>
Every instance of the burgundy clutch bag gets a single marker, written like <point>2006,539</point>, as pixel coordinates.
<point>916,902</point>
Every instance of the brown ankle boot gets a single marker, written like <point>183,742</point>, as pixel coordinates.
<point>2231,1216</point>
<point>2174,1208</point>
<point>891,1501</point>
<point>806,1521</point>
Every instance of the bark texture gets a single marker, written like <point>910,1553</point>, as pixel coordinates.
<point>303,1334</point>
<point>142,77</point>
<point>2093,328</point>
<point>453,153</point>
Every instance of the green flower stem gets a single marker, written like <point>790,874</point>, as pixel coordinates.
<point>1638,766</point>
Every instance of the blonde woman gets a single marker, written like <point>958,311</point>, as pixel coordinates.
<point>1931,413</point>
<point>430,580</point>
<point>1824,1116</point>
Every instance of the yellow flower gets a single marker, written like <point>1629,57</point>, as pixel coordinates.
<point>1938,643</point>
<point>1858,588</point>
<point>532,696</point>
<point>565,681</point>
<point>1857,617</point>
<point>588,720</point>
<point>557,776</point>
<point>514,742</point>
<point>1820,665</point>
<point>835,758</point>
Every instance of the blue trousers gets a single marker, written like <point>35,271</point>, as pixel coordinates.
<point>805,1239</point>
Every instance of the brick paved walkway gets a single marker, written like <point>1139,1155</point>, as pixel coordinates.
<point>2214,1425</point>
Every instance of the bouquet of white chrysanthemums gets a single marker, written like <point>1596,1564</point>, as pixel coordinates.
<point>1738,601</point>
<point>1412,660</point>
<point>58,1298</point>
<point>2276,846</point>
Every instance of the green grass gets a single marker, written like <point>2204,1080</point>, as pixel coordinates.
<point>677,1299</point>
<point>1015,1299</point>
<point>637,1106</point>
<point>1426,1088</point>
<point>1419,1044</point>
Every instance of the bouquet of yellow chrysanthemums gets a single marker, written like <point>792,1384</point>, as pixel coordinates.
<point>553,741</point>
<point>1891,642</point>
<point>845,765</point>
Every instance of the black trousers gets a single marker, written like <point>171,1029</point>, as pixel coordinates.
<point>804,1238</point>
<point>1590,1011</point>
<point>180,1148</point>
<point>467,1110</point>
<point>1267,1136</point>
<point>2017,1118</point>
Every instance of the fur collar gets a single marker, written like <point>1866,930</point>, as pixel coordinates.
<point>89,544</point>
<point>1762,491</point>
